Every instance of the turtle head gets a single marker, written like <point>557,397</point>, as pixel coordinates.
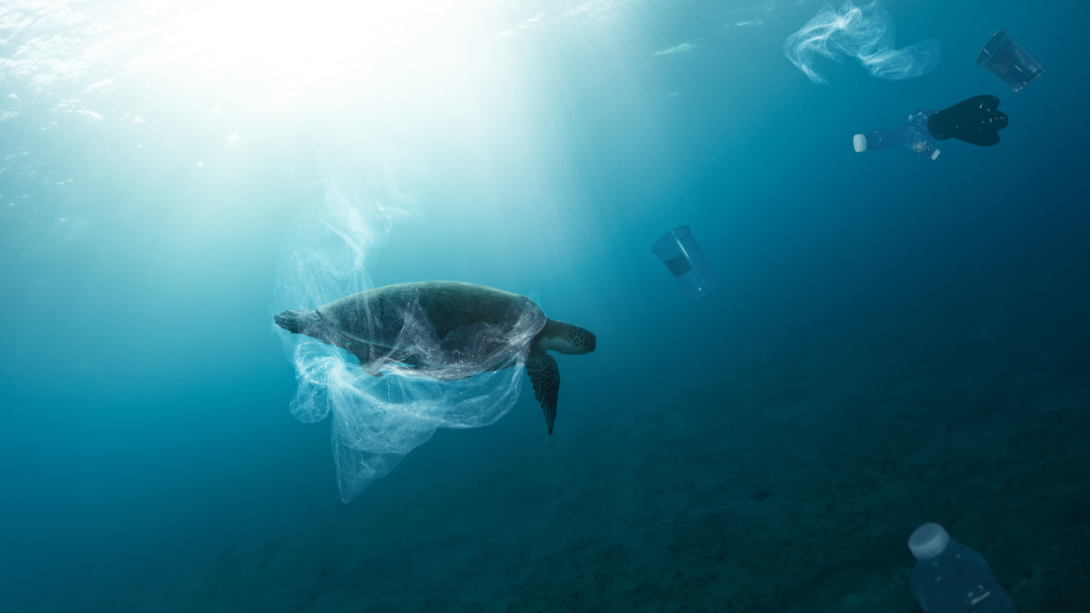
<point>565,338</point>
<point>302,322</point>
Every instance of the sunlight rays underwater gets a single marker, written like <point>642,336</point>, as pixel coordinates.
<point>342,78</point>
<point>890,343</point>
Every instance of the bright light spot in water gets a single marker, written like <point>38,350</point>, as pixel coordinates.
<point>278,52</point>
<point>260,59</point>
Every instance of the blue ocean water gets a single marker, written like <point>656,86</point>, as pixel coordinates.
<point>894,340</point>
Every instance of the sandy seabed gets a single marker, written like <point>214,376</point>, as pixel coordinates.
<point>784,482</point>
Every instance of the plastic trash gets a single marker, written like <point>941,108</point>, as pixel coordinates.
<point>912,134</point>
<point>685,260</point>
<point>951,578</point>
<point>976,121</point>
<point>866,33</point>
<point>1008,61</point>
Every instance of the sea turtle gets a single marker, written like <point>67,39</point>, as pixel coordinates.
<point>446,330</point>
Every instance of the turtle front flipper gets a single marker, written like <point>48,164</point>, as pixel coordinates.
<point>545,376</point>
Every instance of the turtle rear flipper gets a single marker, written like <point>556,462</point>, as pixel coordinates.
<point>545,376</point>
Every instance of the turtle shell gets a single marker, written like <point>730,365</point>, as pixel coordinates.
<point>443,329</point>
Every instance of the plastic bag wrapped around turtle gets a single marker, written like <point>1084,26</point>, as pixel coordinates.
<point>446,330</point>
<point>377,420</point>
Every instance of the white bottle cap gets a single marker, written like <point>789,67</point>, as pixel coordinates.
<point>860,143</point>
<point>928,541</point>
<point>935,155</point>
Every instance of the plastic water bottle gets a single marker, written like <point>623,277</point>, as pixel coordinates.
<point>951,578</point>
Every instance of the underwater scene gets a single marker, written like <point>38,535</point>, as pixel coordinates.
<point>491,306</point>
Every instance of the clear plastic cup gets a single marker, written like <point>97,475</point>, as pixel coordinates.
<point>1008,61</point>
<point>685,260</point>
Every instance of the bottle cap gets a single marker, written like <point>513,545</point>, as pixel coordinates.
<point>928,541</point>
<point>860,143</point>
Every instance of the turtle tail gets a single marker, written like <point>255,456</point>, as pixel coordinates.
<point>301,322</point>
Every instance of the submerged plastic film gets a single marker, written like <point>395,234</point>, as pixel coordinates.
<point>866,33</point>
<point>976,121</point>
<point>378,418</point>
